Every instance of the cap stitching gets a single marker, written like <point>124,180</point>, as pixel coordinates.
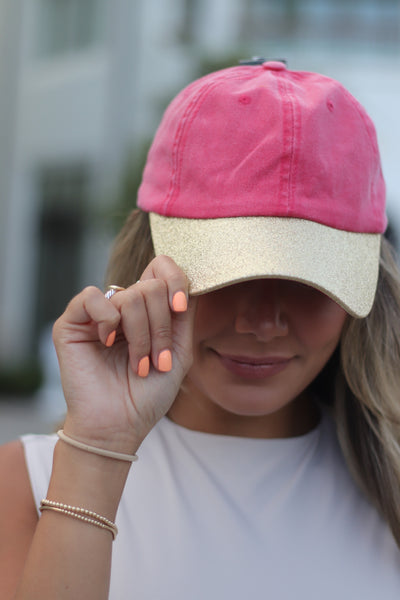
<point>296,135</point>
<point>182,131</point>
<point>176,143</point>
<point>287,143</point>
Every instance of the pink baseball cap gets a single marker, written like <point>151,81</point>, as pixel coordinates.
<point>258,171</point>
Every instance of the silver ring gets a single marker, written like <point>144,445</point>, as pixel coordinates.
<point>111,290</point>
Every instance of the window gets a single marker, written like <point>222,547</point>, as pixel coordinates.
<point>68,25</point>
<point>355,21</point>
<point>62,194</point>
<point>189,20</point>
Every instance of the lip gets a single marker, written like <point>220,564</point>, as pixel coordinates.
<point>254,367</point>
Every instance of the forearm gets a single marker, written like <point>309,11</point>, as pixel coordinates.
<point>70,558</point>
<point>112,404</point>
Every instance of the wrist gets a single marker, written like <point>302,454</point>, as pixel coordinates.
<point>102,438</point>
<point>95,449</point>
<point>87,480</point>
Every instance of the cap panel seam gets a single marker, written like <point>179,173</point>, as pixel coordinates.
<point>287,143</point>
<point>183,129</point>
<point>177,142</point>
<point>296,136</point>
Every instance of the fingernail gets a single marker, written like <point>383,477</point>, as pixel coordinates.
<point>165,361</point>
<point>110,339</point>
<point>143,367</point>
<point>179,302</point>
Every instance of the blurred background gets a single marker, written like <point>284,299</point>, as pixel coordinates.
<point>83,84</point>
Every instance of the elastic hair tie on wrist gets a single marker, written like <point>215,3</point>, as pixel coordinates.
<point>94,450</point>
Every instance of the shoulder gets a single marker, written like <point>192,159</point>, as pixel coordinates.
<point>14,478</point>
<point>18,514</point>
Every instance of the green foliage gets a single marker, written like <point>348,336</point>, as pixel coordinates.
<point>20,380</point>
<point>131,177</point>
<point>209,64</point>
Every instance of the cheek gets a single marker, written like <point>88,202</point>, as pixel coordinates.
<point>211,314</point>
<point>320,324</point>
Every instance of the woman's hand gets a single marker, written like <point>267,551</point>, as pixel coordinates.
<point>116,390</point>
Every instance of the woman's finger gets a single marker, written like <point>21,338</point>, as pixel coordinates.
<point>89,316</point>
<point>155,293</point>
<point>146,324</point>
<point>163,267</point>
<point>135,327</point>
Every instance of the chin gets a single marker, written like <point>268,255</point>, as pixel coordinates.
<point>248,406</point>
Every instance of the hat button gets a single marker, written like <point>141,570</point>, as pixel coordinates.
<point>275,65</point>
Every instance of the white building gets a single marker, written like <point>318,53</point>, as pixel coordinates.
<point>83,83</point>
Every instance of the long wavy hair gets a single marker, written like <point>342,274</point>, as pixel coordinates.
<point>361,381</point>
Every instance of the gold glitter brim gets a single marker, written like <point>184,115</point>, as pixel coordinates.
<point>215,253</point>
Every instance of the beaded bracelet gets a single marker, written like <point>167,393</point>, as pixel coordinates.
<point>83,514</point>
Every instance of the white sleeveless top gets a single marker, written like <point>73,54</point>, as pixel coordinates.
<point>211,517</point>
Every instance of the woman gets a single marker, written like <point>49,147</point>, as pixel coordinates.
<point>269,314</point>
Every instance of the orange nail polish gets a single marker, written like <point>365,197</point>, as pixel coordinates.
<point>165,361</point>
<point>143,366</point>
<point>110,339</point>
<point>179,302</point>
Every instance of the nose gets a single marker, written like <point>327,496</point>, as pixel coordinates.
<point>260,310</point>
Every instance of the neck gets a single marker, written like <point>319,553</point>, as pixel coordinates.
<point>295,419</point>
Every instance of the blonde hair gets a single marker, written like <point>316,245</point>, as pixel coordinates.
<point>367,395</point>
<point>132,251</point>
<point>362,379</point>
